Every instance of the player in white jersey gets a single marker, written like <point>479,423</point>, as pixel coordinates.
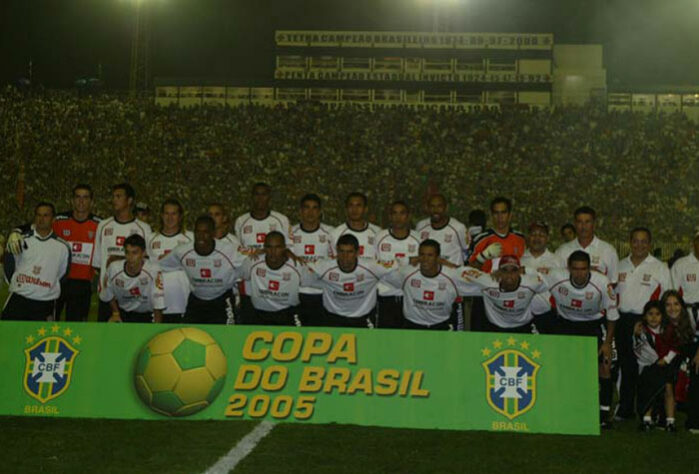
<point>396,244</point>
<point>356,207</point>
<point>171,234</point>
<point>429,290</point>
<point>111,234</point>
<point>584,300</point>
<point>210,266</point>
<point>538,258</point>
<point>135,286</point>
<point>274,283</point>
<point>218,213</point>
<point>251,229</point>
<point>349,285</point>
<point>35,274</point>
<point>312,241</point>
<point>449,232</point>
<point>511,299</point>
<point>685,273</point>
<point>603,256</point>
<point>642,278</point>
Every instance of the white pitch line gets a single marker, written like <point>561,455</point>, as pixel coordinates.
<point>242,449</point>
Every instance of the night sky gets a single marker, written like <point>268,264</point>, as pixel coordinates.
<point>647,42</point>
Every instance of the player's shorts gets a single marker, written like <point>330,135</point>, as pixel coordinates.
<point>580,328</point>
<point>448,325</point>
<point>490,327</point>
<point>216,311</point>
<point>337,321</point>
<point>20,308</point>
<point>75,296</point>
<point>311,311</point>
<point>135,317</point>
<point>173,318</point>
<point>390,312</point>
<point>286,317</point>
<point>104,311</point>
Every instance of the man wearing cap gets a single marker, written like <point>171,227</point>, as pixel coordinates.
<point>511,298</point>
<point>684,279</point>
<point>642,278</point>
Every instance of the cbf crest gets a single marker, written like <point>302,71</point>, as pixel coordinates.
<point>510,375</point>
<point>50,360</point>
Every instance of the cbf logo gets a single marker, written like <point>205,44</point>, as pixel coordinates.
<point>49,362</point>
<point>510,378</point>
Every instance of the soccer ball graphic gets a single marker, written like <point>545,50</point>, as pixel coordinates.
<point>180,372</point>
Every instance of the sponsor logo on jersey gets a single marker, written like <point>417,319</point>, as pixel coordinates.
<point>119,283</point>
<point>575,303</point>
<point>510,377</point>
<point>469,274</point>
<point>217,263</point>
<point>371,240</point>
<point>90,235</point>
<point>521,295</point>
<point>494,293</point>
<point>286,276</point>
<point>563,290</point>
<point>348,286</point>
<point>273,285</point>
<point>646,277</point>
<point>415,283</point>
<point>309,249</point>
<point>442,285</point>
<point>622,276</point>
<point>143,281</point>
<point>159,281</point>
<point>205,272</point>
<point>260,237</point>
<point>332,276</point>
<point>36,270</point>
<point>509,303</point>
<point>297,239</point>
<point>412,248</point>
<point>120,240</point>
<point>447,238</point>
<point>135,291</point>
<point>49,363</point>
<point>361,250</point>
<point>247,229</point>
<point>261,272</point>
<point>428,295</point>
<point>360,277</point>
<point>77,247</point>
<point>424,235</point>
<point>385,247</point>
<point>108,232</point>
<point>321,239</point>
<point>66,232</point>
<point>692,277</point>
<point>589,295</point>
<point>400,255</point>
<point>156,244</point>
<point>190,262</point>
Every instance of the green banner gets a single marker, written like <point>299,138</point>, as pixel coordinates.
<point>395,378</point>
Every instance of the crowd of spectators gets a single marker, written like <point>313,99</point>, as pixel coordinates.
<point>634,169</point>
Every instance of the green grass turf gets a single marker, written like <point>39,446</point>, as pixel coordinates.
<point>75,445</point>
<point>114,446</point>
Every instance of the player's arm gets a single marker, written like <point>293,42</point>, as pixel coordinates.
<point>470,281</point>
<point>158,296</point>
<point>116,314</point>
<point>170,261</point>
<point>609,304</point>
<point>490,252</point>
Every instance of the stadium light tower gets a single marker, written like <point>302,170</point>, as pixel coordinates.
<point>139,75</point>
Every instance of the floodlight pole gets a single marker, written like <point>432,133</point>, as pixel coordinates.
<point>140,49</point>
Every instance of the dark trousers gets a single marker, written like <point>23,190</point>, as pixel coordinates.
<point>311,311</point>
<point>104,312</point>
<point>623,338</point>
<point>338,321</point>
<point>390,312</point>
<point>545,323</point>
<point>524,329</point>
<point>478,318</point>
<point>693,395</point>
<point>75,298</point>
<point>216,311</point>
<point>20,308</point>
<point>447,325</point>
<point>135,317</point>
<point>286,317</point>
<point>173,318</point>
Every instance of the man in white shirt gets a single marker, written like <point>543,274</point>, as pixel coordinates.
<point>274,283</point>
<point>396,244</point>
<point>356,207</point>
<point>349,286</point>
<point>111,235</point>
<point>312,240</point>
<point>171,235</point>
<point>642,278</point>
<point>36,272</point>
<point>449,232</point>
<point>684,275</point>
<point>135,286</point>
<point>585,299</point>
<point>603,256</point>
<point>210,266</point>
<point>538,258</point>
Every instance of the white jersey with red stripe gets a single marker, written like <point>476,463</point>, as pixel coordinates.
<point>274,289</point>
<point>210,276</point>
<point>109,242</point>
<point>350,294</point>
<point>640,284</point>
<point>36,273</point>
<point>543,263</point>
<point>390,248</point>
<point>507,309</point>
<point>175,283</point>
<point>603,256</point>
<point>366,238</point>
<point>426,300</point>
<point>452,238</point>
<point>141,293</point>
<point>312,245</point>
<point>684,278</point>
<point>591,302</point>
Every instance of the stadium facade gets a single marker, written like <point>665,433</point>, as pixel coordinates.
<point>428,70</point>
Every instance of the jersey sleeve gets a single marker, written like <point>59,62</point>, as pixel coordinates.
<point>97,252</point>
<point>158,290</point>
<point>395,277</point>
<point>469,281</point>
<point>107,293</point>
<point>308,276</point>
<point>676,276</point>
<point>242,271</point>
<point>65,262</point>
<point>613,273</point>
<point>238,227</point>
<point>665,279</point>
<point>609,303</point>
<point>170,262</point>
